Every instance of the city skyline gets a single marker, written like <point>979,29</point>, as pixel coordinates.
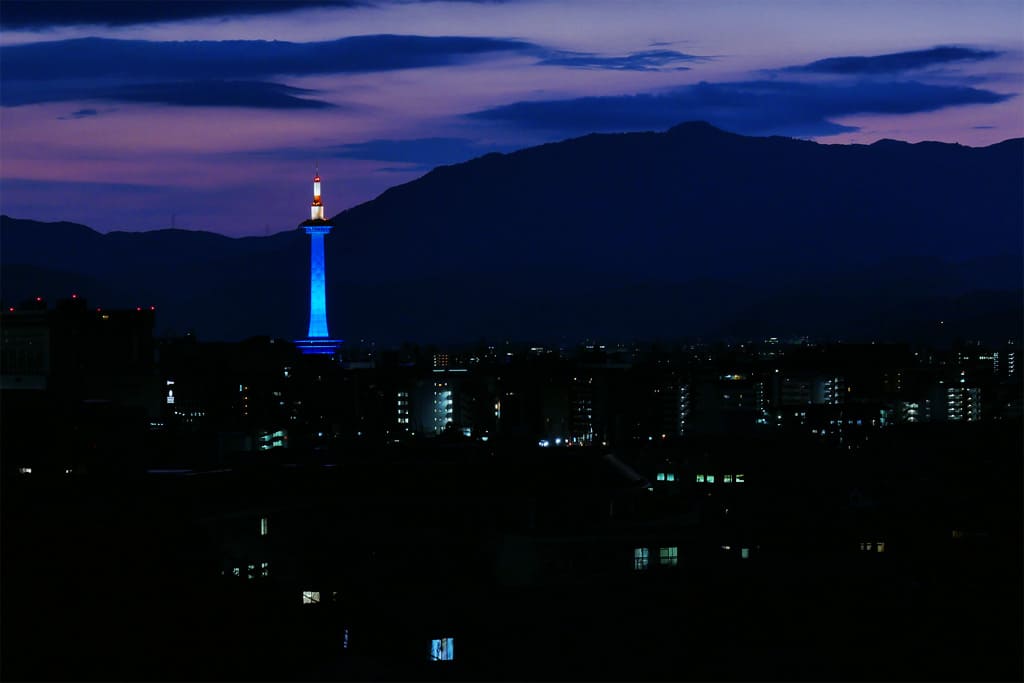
<point>127,134</point>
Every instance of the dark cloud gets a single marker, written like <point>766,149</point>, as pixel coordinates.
<point>80,114</point>
<point>41,14</point>
<point>205,93</point>
<point>139,70</point>
<point>35,14</point>
<point>90,58</point>
<point>896,62</point>
<point>983,127</point>
<point>256,94</point>
<point>649,60</point>
<point>753,107</point>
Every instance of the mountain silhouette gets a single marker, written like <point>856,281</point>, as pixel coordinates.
<point>692,232</point>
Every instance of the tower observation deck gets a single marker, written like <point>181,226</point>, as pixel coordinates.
<point>319,340</point>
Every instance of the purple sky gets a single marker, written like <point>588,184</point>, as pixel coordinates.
<point>121,135</point>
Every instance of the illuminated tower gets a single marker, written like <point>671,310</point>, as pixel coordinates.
<point>319,341</point>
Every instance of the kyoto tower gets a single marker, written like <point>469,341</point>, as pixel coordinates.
<point>319,340</point>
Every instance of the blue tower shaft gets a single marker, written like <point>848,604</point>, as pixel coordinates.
<point>317,288</point>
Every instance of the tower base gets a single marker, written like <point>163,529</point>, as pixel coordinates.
<point>319,346</point>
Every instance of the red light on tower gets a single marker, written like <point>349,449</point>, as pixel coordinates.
<point>39,298</point>
<point>138,308</point>
<point>152,308</point>
<point>11,309</point>
<point>74,296</point>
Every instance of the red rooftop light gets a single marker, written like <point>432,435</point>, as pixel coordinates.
<point>98,310</point>
<point>152,308</point>
<point>39,298</point>
<point>11,309</point>
<point>74,296</point>
<point>138,308</point>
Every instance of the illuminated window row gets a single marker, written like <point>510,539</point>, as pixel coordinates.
<point>726,478</point>
<point>668,556</point>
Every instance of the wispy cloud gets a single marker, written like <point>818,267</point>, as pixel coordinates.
<point>423,152</point>
<point>647,60</point>
<point>79,114</point>
<point>896,62</point>
<point>751,107</point>
<point>414,154</point>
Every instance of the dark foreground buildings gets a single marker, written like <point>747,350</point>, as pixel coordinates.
<point>174,509</point>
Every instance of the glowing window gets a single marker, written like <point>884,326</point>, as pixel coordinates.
<point>661,476</point>
<point>880,547</point>
<point>745,553</point>
<point>710,478</point>
<point>739,478</point>
<point>310,597</point>
<point>236,572</point>
<point>670,477</point>
<point>442,649</point>
<point>24,470</point>
<point>264,569</point>
<point>668,557</point>
<point>866,545</point>
<point>727,479</point>
<point>641,557</point>
<point>700,478</point>
<point>344,640</point>
<point>263,526</point>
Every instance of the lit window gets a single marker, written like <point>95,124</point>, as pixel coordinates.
<point>727,479</point>
<point>668,557</point>
<point>710,478</point>
<point>264,569</point>
<point>640,558</point>
<point>310,597</point>
<point>236,572</point>
<point>700,478</point>
<point>661,476</point>
<point>24,470</point>
<point>670,477</point>
<point>880,547</point>
<point>957,533</point>
<point>739,478</point>
<point>866,545</point>
<point>442,649</point>
<point>745,553</point>
<point>344,640</point>
<point>263,526</point>
<point>251,574</point>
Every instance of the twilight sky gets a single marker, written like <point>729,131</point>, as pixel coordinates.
<point>120,114</point>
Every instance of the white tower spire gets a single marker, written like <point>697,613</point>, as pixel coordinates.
<point>316,211</point>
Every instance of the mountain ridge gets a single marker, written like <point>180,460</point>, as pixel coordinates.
<point>685,219</point>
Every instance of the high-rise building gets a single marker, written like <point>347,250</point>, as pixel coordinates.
<point>317,227</point>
